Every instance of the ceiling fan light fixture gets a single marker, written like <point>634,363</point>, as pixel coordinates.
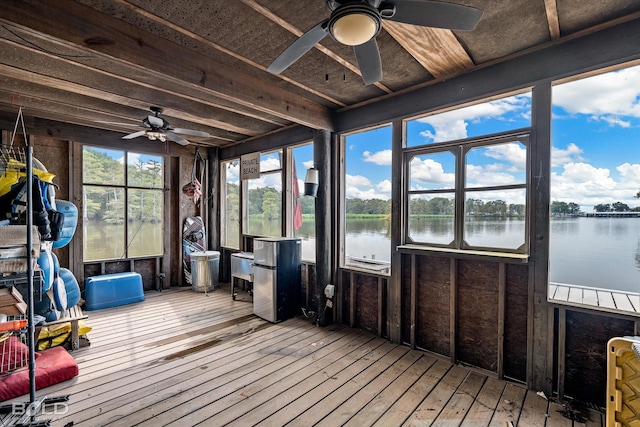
<point>353,25</point>
<point>153,135</point>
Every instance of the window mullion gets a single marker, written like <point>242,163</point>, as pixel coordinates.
<point>459,197</point>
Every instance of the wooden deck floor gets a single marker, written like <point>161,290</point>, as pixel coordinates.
<point>183,359</point>
<point>602,299</point>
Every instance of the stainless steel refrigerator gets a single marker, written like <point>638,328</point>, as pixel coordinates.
<point>276,278</point>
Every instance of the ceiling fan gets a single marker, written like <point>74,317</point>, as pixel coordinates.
<point>357,23</point>
<point>157,128</point>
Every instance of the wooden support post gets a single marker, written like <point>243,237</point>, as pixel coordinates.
<point>539,377</point>
<point>394,285</point>
<point>322,160</point>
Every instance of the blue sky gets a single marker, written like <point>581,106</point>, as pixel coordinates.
<point>596,143</point>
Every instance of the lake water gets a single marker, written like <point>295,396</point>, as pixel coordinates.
<point>594,252</point>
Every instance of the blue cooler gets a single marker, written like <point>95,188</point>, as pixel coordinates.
<point>112,290</point>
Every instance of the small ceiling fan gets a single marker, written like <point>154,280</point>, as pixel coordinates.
<point>357,23</point>
<point>157,128</point>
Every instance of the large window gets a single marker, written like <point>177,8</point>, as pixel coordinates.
<point>264,201</point>
<point>595,189</point>
<point>230,204</point>
<point>122,204</point>
<point>303,207</point>
<point>466,171</point>
<point>367,203</point>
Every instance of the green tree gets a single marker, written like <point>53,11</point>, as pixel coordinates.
<point>271,205</point>
<point>602,207</point>
<point>620,207</point>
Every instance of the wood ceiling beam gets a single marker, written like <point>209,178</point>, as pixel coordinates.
<point>551,8</point>
<point>97,70</point>
<point>78,115</point>
<point>437,50</point>
<point>9,71</point>
<point>85,27</point>
<point>214,45</point>
<point>48,128</point>
<point>298,32</point>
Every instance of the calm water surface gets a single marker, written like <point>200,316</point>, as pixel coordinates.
<point>594,252</point>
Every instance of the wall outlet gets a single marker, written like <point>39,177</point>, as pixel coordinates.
<point>329,291</point>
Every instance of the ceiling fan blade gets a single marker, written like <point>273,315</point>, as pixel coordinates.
<point>368,57</point>
<point>134,135</point>
<point>436,14</point>
<point>129,125</point>
<point>191,132</point>
<point>175,138</point>
<point>299,48</point>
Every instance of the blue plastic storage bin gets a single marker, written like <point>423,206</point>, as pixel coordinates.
<point>111,290</point>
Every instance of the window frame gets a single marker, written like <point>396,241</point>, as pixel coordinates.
<point>373,267</point>
<point>460,148</point>
<point>126,188</point>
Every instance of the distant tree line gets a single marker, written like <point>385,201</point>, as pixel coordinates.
<point>614,207</point>
<point>571,208</point>
<point>564,208</point>
<point>106,204</point>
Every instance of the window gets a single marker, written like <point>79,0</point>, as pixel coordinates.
<point>303,207</point>
<point>469,193</point>
<point>123,204</point>
<point>367,200</point>
<point>595,189</point>
<point>230,204</point>
<point>264,201</point>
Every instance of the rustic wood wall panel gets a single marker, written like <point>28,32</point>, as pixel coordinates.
<point>405,303</point>
<point>515,331</point>
<point>587,335</point>
<point>477,318</point>
<point>433,309</point>
<point>366,314</point>
<point>147,269</point>
<point>346,296</point>
<point>225,265</point>
<point>117,267</point>
<point>89,271</point>
<point>311,301</point>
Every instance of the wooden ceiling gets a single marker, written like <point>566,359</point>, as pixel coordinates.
<point>204,62</point>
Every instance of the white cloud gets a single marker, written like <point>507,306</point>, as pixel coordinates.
<point>269,180</point>
<point>512,153</point>
<point>452,125</point>
<point>571,154</point>
<point>379,158</point>
<point>269,164</point>
<point>428,171</point>
<point>360,187</point>
<point>606,97</point>
<point>357,181</point>
<point>308,164</point>
<point>490,175</point>
<point>587,185</point>
<point>384,187</point>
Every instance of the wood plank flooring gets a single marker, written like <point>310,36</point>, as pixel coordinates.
<point>184,359</point>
